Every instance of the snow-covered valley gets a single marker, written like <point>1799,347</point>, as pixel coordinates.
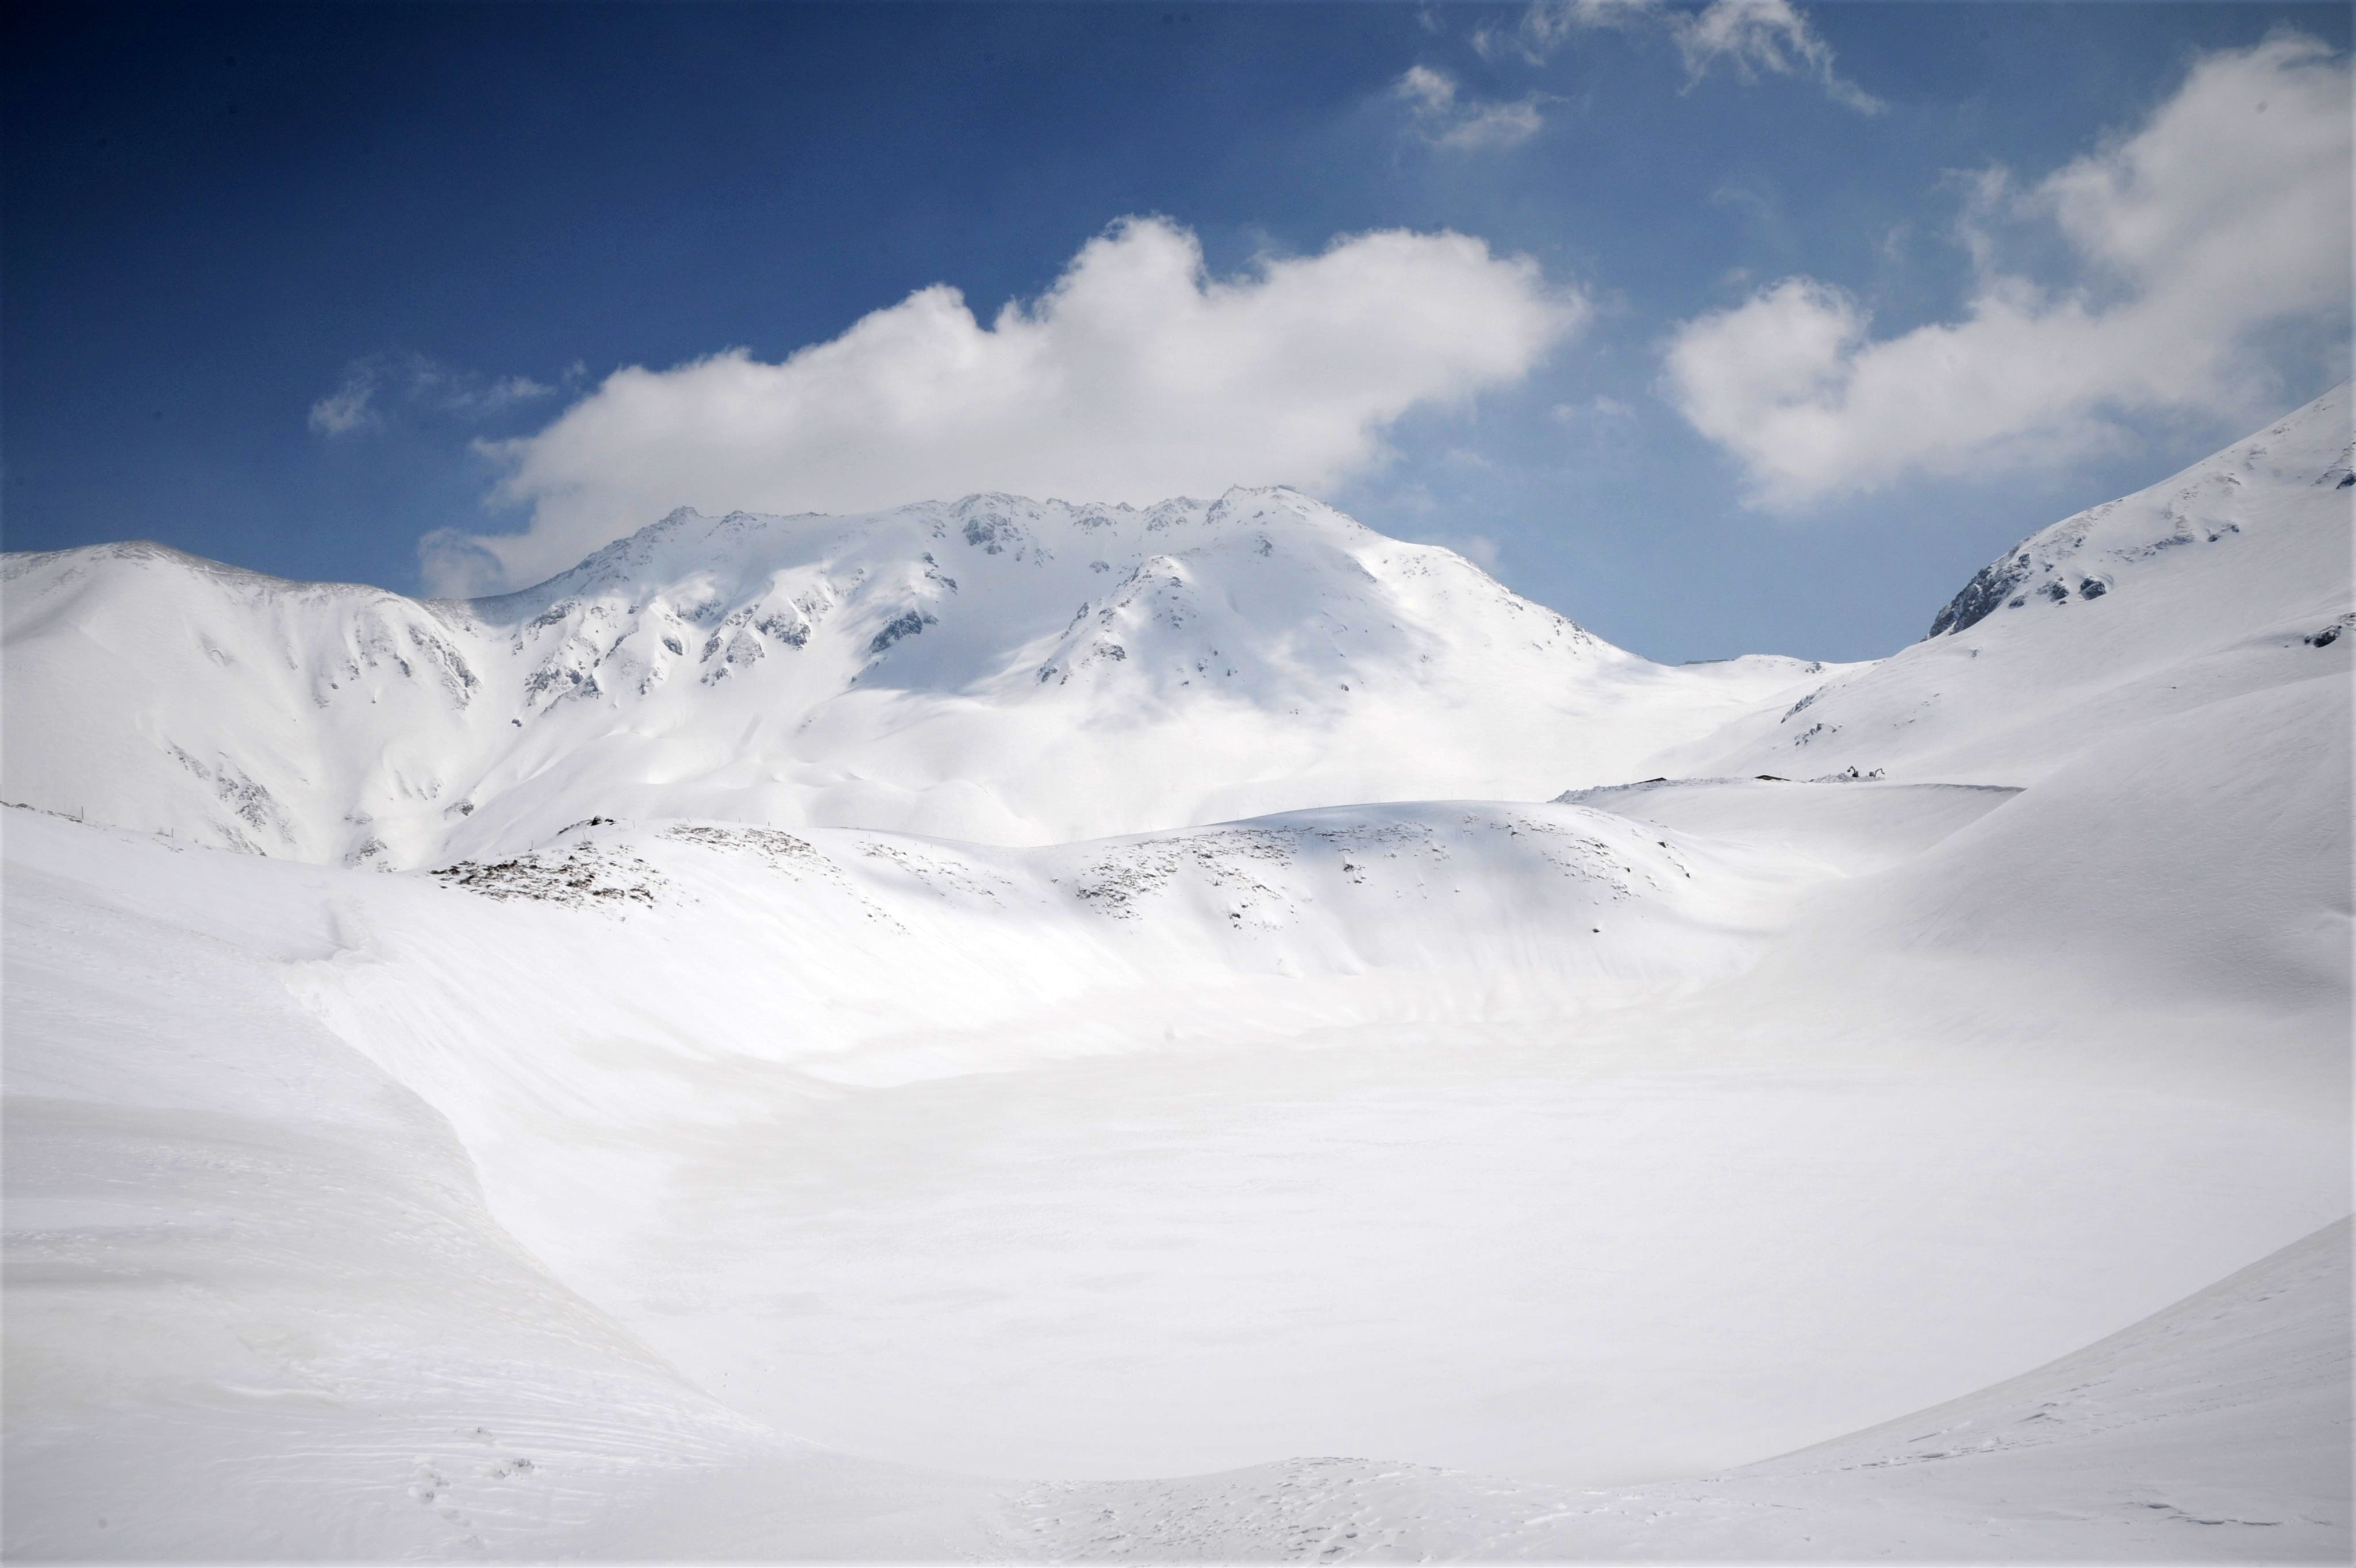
<point>667,1066</point>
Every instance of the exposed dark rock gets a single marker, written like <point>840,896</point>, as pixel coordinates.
<point>1990,586</point>
<point>586,875</point>
<point>907,623</point>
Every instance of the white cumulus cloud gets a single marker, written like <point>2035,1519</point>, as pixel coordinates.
<point>1136,377</point>
<point>2221,220</point>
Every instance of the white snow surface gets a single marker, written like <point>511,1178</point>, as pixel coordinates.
<point>742,1175</point>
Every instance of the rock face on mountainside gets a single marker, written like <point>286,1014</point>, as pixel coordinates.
<point>991,669</point>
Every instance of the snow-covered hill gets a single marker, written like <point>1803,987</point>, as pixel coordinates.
<point>993,670</point>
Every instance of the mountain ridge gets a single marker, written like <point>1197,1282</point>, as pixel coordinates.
<point>921,669</point>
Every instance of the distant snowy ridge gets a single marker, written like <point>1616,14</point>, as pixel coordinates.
<point>992,669</point>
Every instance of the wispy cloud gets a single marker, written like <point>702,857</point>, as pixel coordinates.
<point>1749,38</point>
<point>419,382</point>
<point>347,408</point>
<point>2221,218</point>
<point>1443,116</point>
<point>1772,36</point>
<point>1597,409</point>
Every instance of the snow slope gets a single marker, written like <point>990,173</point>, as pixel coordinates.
<point>995,670</point>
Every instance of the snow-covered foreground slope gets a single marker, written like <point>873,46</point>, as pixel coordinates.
<point>257,1308</point>
<point>678,1186</point>
<point>1503,1138</point>
<point>997,669</point>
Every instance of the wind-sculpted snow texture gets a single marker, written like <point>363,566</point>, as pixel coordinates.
<point>673,1158</point>
<point>995,669</point>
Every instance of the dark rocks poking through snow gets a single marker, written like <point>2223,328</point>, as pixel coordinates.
<point>908,623</point>
<point>585,876</point>
<point>1990,586</point>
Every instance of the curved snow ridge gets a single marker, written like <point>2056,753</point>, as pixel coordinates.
<point>991,669</point>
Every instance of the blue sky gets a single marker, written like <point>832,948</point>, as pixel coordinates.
<point>1721,329</point>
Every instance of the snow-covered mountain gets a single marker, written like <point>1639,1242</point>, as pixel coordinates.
<point>2231,577</point>
<point>2168,675</point>
<point>745,1179</point>
<point>994,669</point>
